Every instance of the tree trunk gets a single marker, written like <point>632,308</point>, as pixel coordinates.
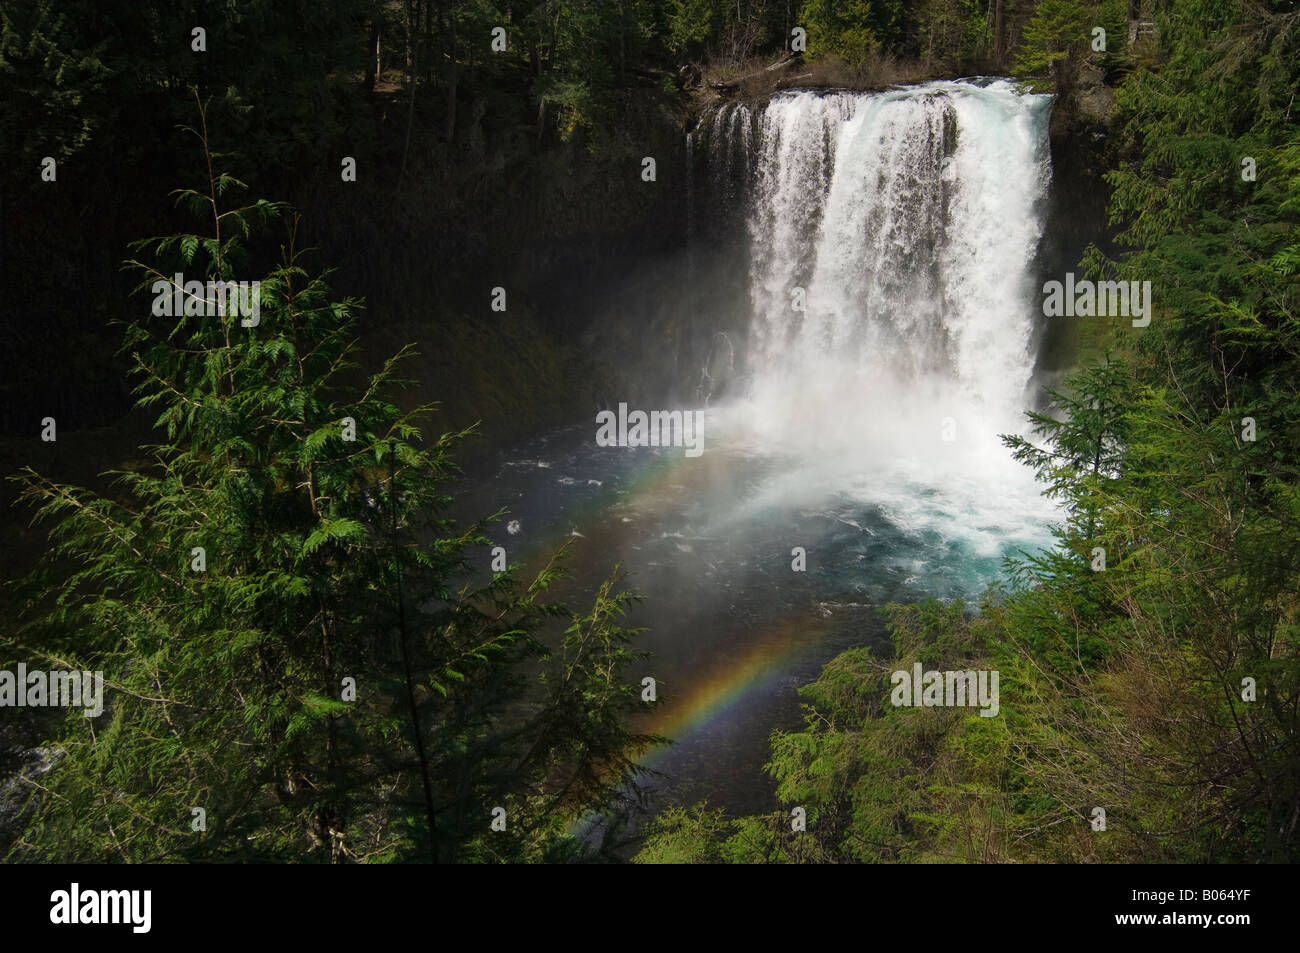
<point>999,35</point>
<point>372,64</point>
<point>452,75</point>
<point>622,26</point>
<point>428,44</point>
<point>413,38</point>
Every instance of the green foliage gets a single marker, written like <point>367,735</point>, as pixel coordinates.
<point>852,30</point>
<point>1057,28</point>
<point>878,783</point>
<point>326,559</point>
<point>49,69</point>
<point>684,836</point>
<point>1112,16</point>
<point>956,31</point>
<point>691,25</point>
<point>590,49</point>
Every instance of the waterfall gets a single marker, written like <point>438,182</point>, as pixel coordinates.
<point>910,220</point>
<point>892,308</point>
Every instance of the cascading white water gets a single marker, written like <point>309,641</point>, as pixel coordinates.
<point>892,309</point>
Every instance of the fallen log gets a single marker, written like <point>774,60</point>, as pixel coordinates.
<point>732,85</point>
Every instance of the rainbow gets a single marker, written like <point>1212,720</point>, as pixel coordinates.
<point>713,696</point>
<point>692,703</point>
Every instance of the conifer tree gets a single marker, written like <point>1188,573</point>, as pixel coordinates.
<point>300,660</point>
